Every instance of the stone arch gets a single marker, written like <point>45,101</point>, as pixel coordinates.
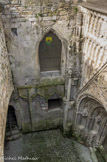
<point>91,121</point>
<point>11,119</point>
<point>93,113</point>
<point>64,50</point>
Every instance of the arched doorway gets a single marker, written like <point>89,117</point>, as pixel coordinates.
<point>50,52</point>
<point>91,121</point>
<point>11,124</point>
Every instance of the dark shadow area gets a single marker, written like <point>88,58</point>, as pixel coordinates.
<point>12,130</point>
<point>11,119</point>
<point>54,103</point>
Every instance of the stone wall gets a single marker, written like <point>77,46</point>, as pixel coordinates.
<point>92,105</point>
<point>95,43</point>
<point>82,77</point>
<point>91,102</point>
<point>6,87</point>
<point>25,24</point>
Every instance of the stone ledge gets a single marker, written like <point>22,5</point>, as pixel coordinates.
<point>97,6</point>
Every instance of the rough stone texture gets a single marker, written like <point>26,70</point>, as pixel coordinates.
<point>25,24</point>
<point>82,78</point>
<point>91,102</point>
<point>5,87</point>
<point>95,43</point>
<point>91,121</point>
<point>47,146</point>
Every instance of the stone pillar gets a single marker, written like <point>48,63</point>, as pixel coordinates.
<point>69,81</point>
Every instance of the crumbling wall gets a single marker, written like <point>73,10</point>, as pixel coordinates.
<point>25,24</point>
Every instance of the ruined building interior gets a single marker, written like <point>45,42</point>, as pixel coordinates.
<point>53,76</point>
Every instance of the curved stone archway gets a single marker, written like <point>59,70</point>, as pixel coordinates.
<point>64,50</point>
<point>91,121</point>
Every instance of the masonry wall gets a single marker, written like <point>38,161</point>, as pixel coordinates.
<point>25,24</point>
<point>6,87</point>
<point>95,43</point>
<point>83,38</point>
<point>91,102</point>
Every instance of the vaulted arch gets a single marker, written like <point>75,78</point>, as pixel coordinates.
<point>91,121</point>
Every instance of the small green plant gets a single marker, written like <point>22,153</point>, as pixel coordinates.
<point>75,9</point>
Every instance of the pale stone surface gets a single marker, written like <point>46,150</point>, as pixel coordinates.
<point>95,43</point>
<point>5,87</point>
<point>83,34</point>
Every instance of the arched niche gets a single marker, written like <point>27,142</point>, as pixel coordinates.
<point>11,123</point>
<point>91,121</point>
<point>50,49</point>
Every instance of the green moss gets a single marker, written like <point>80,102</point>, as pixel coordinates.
<point>45,88</point>
<point>47,92</point>
<point>45,83</point>
<point>42,125</point>
<point>38,15</point>
<point>50,82</point>
<point>103,152</point>
<point>78,138</point>
<point>75,9</point>
<point>23,93</point>
<point>26,127</point>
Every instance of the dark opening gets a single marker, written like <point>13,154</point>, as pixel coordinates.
<point>14,31</point>
<point>11,119</point>
<point>54,103</point>
<point>50,52</point>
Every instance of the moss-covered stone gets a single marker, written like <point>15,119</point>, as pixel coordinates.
<point>47,124</point>
<point>78,138</point>
<point>67,132</point>
<point>45,88</point>
<point>23,93</point>
<point>45,83</point>
<point>26,127</point>
<point>50,82</point>
<point>103,153</point>
<point>42,125</point>
<point>48,92</point>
